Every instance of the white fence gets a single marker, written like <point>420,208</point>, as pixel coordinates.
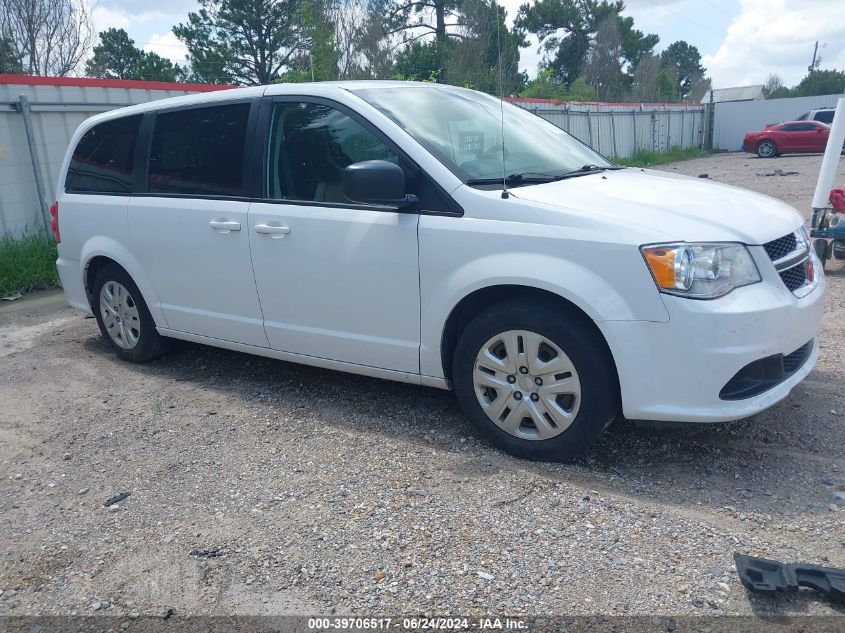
<point>621,130</point>
<point>733,119</point>
<point>57,107</point>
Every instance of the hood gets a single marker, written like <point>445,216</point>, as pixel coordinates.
<point>678,207</point>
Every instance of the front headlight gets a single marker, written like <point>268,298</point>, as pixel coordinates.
<point>700,271</point>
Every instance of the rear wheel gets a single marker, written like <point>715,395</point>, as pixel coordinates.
<point>123,317</point>
<point>534,381</point>
<point>767,149</point>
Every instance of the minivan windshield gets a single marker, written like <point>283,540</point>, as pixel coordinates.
<point>463,129</point>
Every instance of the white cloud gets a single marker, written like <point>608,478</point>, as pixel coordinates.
<point>777,36</point>
<point>104,18</point>
<point>168,46</point>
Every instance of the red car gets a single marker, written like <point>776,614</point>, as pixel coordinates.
<point>787,138</point>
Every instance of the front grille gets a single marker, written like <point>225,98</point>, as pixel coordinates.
<point>794,277</point>
<point>781,247</point>
<point>790,259</point>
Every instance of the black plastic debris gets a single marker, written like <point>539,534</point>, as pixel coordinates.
<point>211,552</point>
<point>771,576</point>
<point>116,499</point>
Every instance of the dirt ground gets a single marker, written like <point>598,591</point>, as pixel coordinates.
<point>261,487</point>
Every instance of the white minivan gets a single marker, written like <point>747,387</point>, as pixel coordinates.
<point>429,234</point>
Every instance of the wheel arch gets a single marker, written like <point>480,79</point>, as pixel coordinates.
<point>101,251</point>
<point>488,297</point>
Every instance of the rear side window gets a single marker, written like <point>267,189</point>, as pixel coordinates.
<point>798,127</point>
<point>103,159</point>
<point>199,151</point>
<point>824,117</point>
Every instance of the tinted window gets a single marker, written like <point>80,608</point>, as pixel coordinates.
<point>102,161</point>
<point>798,127</point>
<point>310,146</point>
<point>825,116</point>
<point>199,151</point>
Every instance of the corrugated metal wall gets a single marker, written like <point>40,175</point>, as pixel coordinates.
<point>56,113</point>
<point>733,119</point>
<point>620,131</point>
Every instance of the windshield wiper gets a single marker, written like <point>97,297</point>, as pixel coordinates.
<point>535,177</point>
<point>524,178</point>
<point>587,169</point>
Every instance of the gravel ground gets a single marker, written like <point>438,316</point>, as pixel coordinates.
<point>261,487</point>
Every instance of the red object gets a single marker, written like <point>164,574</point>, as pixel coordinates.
<point>54,221</point>
<point>837,199</point>
<point>790,137</point>
<point>88,82</point>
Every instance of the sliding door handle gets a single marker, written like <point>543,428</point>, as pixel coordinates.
<point>225,226</point>
<point>272,229</point>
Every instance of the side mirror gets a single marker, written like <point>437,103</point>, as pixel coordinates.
<point>377,182</point>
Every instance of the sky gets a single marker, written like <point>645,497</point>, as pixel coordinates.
<point>741,41</point>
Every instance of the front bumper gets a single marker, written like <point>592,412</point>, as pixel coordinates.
<point>675,371</point>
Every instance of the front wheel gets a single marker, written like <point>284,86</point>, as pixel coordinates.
<point>767,149</point>
<point>535,381</point>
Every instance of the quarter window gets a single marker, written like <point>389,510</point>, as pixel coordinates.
<point>798,127</point>
<point>310,145</point>
<point>103,159</point>
<point>199,151</point>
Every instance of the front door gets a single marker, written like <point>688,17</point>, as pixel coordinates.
<point>337,280</point>
<point>189,230</point>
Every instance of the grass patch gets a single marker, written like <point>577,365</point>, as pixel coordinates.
<point>647,157</point>
<point>27,264</point>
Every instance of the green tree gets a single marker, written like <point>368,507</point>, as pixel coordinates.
<point>244,41</point>
<point>820,82</point>
<point>684,61</point>
<point>667,84</point>
<point>487,57</point>
<point>418,62</point>
<point>545,86</point>
<point>580,90</point>
<point>439,22</point>
<point>567,30</point>
<point>117,57</point>
<point>10,60</point>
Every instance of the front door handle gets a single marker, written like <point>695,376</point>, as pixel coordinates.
<point>273,230</point>
<point>225,226</point>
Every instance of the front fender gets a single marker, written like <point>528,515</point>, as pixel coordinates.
<point>102,246</point>
<point>618,290</point>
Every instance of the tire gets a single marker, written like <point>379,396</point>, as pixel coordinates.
<point>570,423</point>
<point>767,149</point>
<point>839,249</point>
<point>138,342</point>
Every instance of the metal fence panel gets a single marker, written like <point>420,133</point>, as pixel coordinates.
<point>623,130</point>
<point>52,126</point>
<point>733,119</point>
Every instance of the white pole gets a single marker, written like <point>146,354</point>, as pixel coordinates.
<point>831,158</point>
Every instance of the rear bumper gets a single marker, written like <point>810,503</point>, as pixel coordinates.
<point>70,274</point>
<point>675,371</point>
